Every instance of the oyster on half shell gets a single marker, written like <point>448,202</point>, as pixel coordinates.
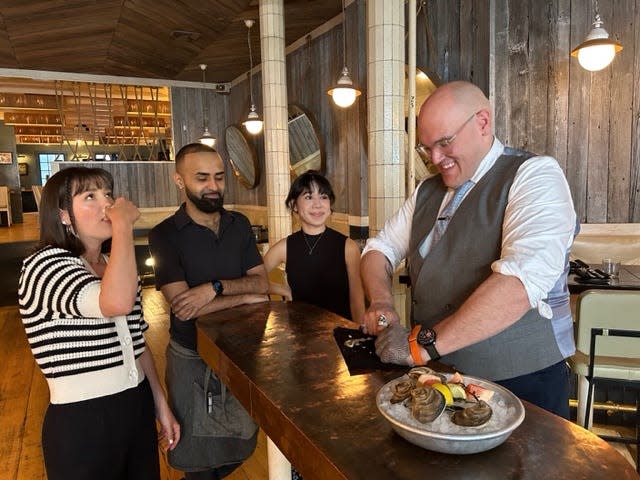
<point>402,390</point>
<point>427,404</point>
<point>477,414</point>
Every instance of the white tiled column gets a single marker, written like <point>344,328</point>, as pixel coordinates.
<point>276,155</point>
<point>276,133</point>
<point>385,102</point>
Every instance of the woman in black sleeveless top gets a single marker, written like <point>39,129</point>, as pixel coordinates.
<point>322,265</point>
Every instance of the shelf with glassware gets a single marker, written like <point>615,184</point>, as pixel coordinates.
<point>38,133</point>
<point>32,101</point>
<point>111,136</point>
<point>146,122</point>
<point>28,101</point>
<point>138,135</point>
<point>38,119</point>
<point>160,108</point>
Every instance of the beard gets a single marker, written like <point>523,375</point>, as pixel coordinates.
<point>206,205</point>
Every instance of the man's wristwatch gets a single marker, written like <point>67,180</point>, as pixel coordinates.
<point>217,287</point>
<point>425,337</point>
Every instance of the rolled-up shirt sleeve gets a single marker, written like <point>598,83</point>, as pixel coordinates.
<point>538,229</point>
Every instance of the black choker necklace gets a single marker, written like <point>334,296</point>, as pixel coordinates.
<point>309,246</point>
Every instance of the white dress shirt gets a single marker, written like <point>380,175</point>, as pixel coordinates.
<point>538,226</point>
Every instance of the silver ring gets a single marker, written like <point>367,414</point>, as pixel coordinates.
<point>382,321</point>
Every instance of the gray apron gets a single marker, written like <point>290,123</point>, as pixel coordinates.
<point>216,430</point>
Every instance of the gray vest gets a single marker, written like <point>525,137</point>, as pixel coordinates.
<point>461,261</point>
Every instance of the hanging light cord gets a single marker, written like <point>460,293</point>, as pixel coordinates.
<point>205,103</point>
<point>250,64</point>
<point>344,37</point>
<point>597,19</point>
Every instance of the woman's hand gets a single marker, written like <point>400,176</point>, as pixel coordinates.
<point>122,211</point>
<point>169,434</point>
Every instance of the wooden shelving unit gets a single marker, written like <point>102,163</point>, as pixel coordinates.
<point>71,112</point>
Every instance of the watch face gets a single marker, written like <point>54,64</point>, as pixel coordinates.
<point>426,336</point>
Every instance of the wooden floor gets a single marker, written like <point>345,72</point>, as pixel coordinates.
<point>24,394</point>
<point>28,230</point>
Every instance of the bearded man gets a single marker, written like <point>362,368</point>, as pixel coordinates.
<point>206,260</point>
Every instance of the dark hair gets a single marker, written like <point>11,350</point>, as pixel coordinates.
<point>57,194</point>
<point>304,183</point>
<point>195,147</point>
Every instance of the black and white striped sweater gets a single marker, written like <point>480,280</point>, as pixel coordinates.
<point>82,354</point>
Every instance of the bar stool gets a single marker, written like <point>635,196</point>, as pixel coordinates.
<point>608,347</point>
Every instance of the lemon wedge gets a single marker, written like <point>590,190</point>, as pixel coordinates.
<point>444,390</point>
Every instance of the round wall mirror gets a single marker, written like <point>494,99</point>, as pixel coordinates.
<point>242,156</point>
<point>306,151</point>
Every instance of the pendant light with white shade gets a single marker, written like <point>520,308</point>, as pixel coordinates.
<point>253,123</point>
<point>344,93</point>
<point>597,50</point>
<point>206,138</point>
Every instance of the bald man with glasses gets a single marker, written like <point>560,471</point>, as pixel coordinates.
<point>486,242</point>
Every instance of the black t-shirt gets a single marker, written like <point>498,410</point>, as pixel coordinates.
<point>185,250</point>
<point>319,277</point>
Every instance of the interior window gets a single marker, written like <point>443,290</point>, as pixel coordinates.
<point>44,160</point>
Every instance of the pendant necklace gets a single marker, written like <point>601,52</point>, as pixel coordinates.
<point>312,247</point>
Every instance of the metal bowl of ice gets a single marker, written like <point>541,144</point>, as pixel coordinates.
<point>444,436</point>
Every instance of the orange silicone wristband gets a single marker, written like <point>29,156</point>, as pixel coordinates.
<point>413,345</point>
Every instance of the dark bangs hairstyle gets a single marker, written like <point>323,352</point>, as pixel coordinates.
<point>304,184</point>
<point>57,194</point>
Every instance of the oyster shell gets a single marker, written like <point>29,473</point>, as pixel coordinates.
<point>427,404</point>
<point>402,390</point>
<point>415,372</point>
<point>419,374</point>
<point>477,414</point>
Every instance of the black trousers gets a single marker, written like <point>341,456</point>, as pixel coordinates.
<point>547,388</point>
<point>106,438</point>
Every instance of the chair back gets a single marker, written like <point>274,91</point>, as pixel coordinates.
<point>5,203</point>
<point>37,194</point>
<point>4,197</point>
<point>609,309</point>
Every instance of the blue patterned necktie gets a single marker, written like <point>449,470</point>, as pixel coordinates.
<point>445,216</point>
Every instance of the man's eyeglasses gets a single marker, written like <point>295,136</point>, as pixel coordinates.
<point>425,151</point>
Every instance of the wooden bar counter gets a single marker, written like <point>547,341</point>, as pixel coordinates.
<point>281,361</point>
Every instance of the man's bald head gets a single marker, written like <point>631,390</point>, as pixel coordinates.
<point>456,95</point>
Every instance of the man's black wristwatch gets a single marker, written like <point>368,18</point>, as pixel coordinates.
<point>427,338</point>
<point>217,287</point>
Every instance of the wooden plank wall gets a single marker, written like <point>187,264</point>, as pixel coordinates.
<point>452,41</point>
<point>224,110</point>
<point>147,184</point>
<point>548,104</point>
<point>544,101</point>
<point>311,71</point>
